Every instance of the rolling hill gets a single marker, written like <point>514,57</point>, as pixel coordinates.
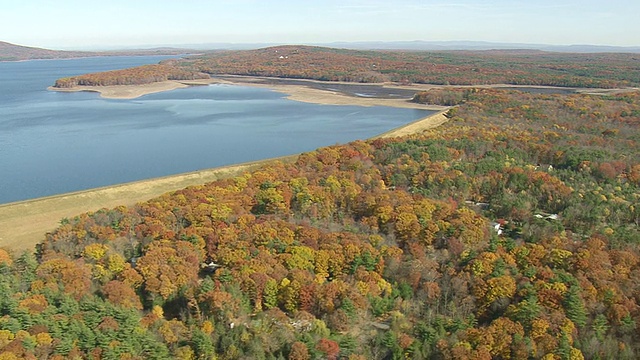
<point>13,52</point>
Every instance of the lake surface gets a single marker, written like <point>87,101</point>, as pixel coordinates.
<point>52,143</point>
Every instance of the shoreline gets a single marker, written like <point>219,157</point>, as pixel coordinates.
<point>295,92</point>
<point>124,91</point>
<point>303,90</point>
<point>23,224</point>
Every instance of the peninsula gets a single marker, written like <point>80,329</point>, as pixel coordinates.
<point>316,74</point>
<point>460,68</point>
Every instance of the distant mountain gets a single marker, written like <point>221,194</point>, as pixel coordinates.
<point>12,52</point>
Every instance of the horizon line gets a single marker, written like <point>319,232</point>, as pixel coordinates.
<point>445,44</point>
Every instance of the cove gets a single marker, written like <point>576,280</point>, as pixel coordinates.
<point>52,143</point>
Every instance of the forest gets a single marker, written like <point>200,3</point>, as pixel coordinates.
<point>511,232</point>
<point>516,67</point>
<point>144,74</point>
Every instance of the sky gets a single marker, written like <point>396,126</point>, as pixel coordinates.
<point>90,24</point>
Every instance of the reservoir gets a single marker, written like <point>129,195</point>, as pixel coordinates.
<point>52,143</point>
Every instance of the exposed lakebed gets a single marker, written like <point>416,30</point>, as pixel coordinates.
<point>52,142</point>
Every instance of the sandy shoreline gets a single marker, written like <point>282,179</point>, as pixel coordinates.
<point>416,127</point>
<point>125,91</point>
<point>23,224</point>
<point>301,93</point>
<point>306,90</point>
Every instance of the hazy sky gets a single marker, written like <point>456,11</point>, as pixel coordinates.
<point>64,24</point>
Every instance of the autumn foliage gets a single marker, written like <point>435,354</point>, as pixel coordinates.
<point>511,232</point>
<point>134,76</point>
<point>516,67</point>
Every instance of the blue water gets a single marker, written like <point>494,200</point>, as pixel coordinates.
<point>52,143</point>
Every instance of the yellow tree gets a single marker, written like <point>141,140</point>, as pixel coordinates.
<point>167,267</point>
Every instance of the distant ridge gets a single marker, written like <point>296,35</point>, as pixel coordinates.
<point>13,52</point>
<point>420,45</point>
<point>479,45</point>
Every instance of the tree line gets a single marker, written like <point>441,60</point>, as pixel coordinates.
<point>145,74</point>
